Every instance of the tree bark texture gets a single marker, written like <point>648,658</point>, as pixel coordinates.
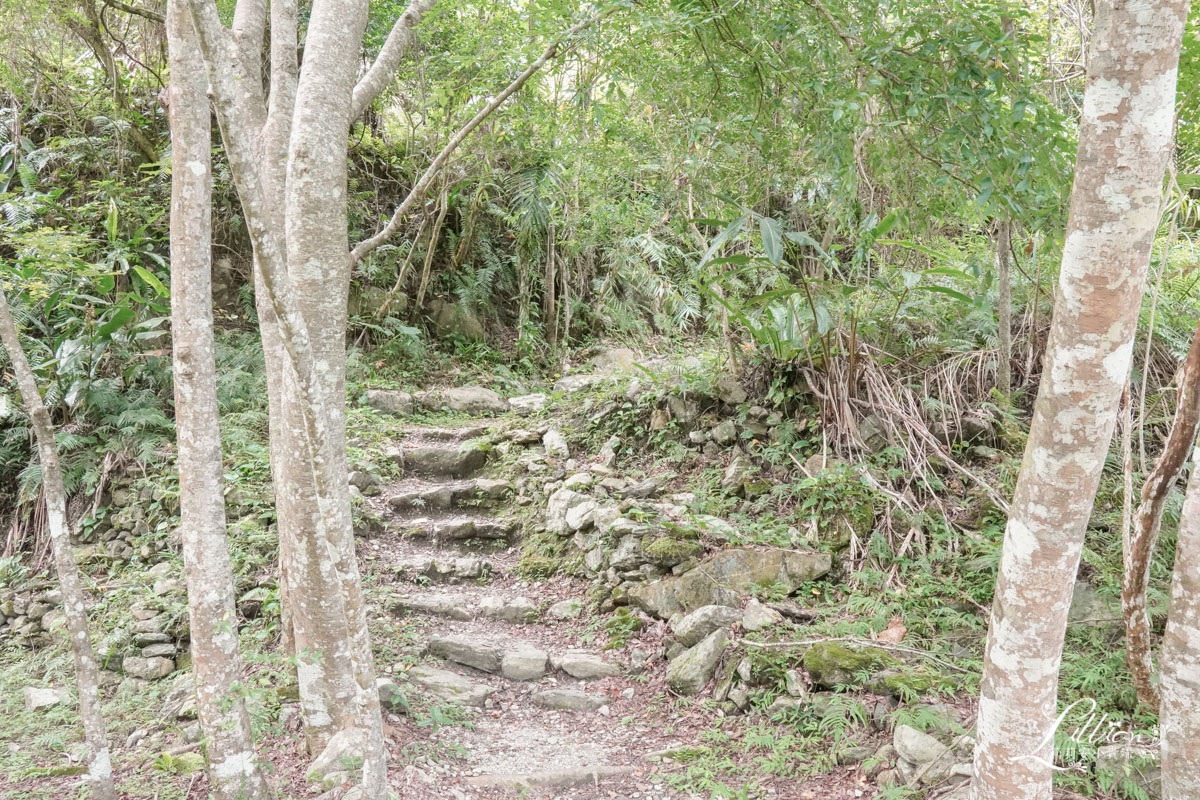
<point>216,661</point>
<point>1179,717</point>
<point>1004,307</point>
<point>87,676</point>
<point>1124,142</point>
<point>1148,520</point>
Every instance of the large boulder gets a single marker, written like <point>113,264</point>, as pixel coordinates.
<point>694,668</point>
<point>726,576</point>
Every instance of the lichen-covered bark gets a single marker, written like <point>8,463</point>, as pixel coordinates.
<point>1004,307</point>
<point>87,677</point>
<point>1179,717</point>
<point>216,661</point>
<point>287,152</point>
<point>1148,520</point>
<point>319,268</point>
<point>1124,141</point>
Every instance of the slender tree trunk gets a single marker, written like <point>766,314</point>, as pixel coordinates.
<point>1004,307</point>
<point>1179,717</point>
<point>1148,520</point>
<point>1124,142</point>
<point>217,663</point>
<point>87,677</point>
<point>319,269</point>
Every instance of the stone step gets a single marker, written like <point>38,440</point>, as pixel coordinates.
<point>443,570</point>
<point>472,400</point>
<point>446,460</point>
<point>457,528</point>
<point>551,779</point>
<point>441,495</point>
<point>463,608</point>
<point>519,661</point>
<point>447,686</point>
<point>451,434</point>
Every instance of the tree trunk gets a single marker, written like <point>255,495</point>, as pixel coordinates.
<point>1004,307</point>
<point>1124,142</point>
<point>1148,520</point>
<point>1179,717</point>
<point>87,677</point>
<point>216,661</point>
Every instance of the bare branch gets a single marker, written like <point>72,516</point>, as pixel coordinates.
<point>145,13</point>
<point>380,72</point>
<point>366,246</point>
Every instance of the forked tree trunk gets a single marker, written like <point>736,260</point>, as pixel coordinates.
<point>1148,520</point>
<point>1179,717</point>
<point>216,661</point>
<point>87,677</point>
<point>1124,142</point>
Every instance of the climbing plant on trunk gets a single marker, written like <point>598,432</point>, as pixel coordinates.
<point>1124,143</point>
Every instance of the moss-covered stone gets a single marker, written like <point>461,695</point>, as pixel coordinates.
<point>832,664</point>
<point>902,684</point>
<point>667,551</point>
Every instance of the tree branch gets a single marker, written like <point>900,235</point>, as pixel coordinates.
<point>380,72</point>
<point>144,13</point>
<point>366,246</point>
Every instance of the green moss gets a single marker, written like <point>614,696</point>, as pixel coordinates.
<point>670,551</point>
<point>833,664</point>
<point>905,685</point>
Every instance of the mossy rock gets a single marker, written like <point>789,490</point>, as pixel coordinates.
<point>667,551</point>
<point>832,664</point>
<point>901,684</point>
<point>535,566</point>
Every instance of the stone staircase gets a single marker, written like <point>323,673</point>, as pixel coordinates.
<point>547,710</point>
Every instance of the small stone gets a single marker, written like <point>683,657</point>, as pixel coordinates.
<point>514,610</point>
<point>149,669</point>
<point>692,670</point>
<point>164,649</point>
<point>391,696</point>
<point>734,478</point>
<point>529,403</point>
<point>464,650</point>
<point>524,663</point>
<point>36,698</point>
<point>450,687</point>
<point>690,629</point>
<point>565,609</point>
<point>725,433</point>
<point>585,666</point>
<point>567,700</point>
<point>729,391</point>
<point>343,753</point>
<point>659,419</point>
<point>758,616</point>
<point>556,444</point>
<point>794,683</point>
<point>917,747</point>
